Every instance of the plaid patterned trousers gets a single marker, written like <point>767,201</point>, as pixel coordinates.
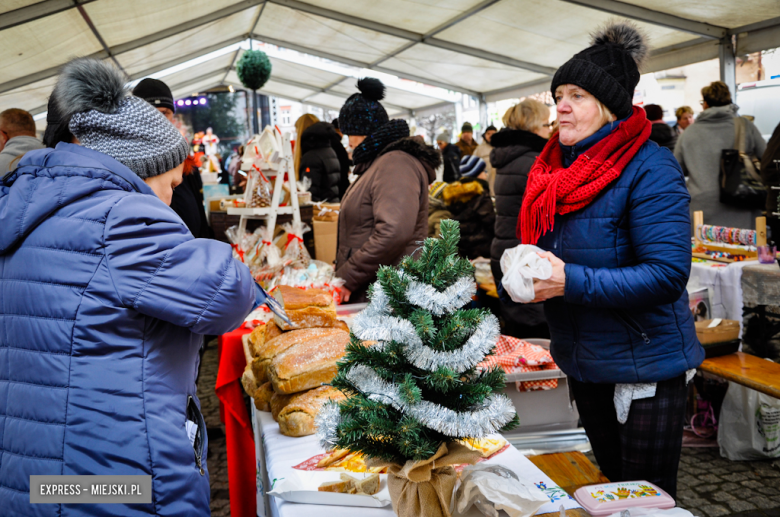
<point>647,447</point>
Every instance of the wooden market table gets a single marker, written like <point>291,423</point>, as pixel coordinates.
<point>570,470</point>
<point>751,371</point>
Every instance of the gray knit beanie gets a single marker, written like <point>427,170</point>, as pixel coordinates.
<point>105,118</point>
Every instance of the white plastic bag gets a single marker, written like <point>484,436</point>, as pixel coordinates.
<point>491,488</point>
<point>520,265</point>
<point>749,426</point>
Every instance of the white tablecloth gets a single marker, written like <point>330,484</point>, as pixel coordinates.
<point>725,284</point>
<point>278,454</point>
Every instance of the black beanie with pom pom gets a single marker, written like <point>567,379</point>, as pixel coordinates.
<point>609,68</point>
<point>362,114</point>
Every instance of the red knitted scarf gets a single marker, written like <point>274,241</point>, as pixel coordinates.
<point>553,189</point>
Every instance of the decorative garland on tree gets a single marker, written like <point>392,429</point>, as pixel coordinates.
<point>419,386</point>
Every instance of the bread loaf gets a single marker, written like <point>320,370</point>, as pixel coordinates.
<point>273,347</point>
<point>312,308</point>
<point>262,397</point>
<point>297,417</point>
<point>293,298</point>
<point>278,401</point>
<point>308,364</point>
<point>261,334</point>
<point>248,381</point>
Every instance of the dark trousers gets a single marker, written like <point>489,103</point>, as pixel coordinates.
<point>647,447</point>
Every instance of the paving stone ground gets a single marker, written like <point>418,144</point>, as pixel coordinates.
<point>217,455</point>
<point>711,486</point>
<point>708,485</point>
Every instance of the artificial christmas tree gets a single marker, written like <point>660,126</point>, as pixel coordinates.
<point>417,391</point>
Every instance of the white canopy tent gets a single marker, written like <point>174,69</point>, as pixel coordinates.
<point>489,49</point>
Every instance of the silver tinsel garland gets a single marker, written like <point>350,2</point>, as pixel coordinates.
<point>376,324</point>
<point>326,422</point>
<point>437,302</point>
<point>493,414</point>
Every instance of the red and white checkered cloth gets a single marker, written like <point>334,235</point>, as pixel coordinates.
<point>516,355</point>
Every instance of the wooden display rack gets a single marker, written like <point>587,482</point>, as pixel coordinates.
<point>277,171</point>
<point>698,220</point>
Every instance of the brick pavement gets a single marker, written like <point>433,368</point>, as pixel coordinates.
<point>709,486</point>
<point>217,455</point>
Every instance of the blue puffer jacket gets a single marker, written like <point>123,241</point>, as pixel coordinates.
<point>104,296</point>
<point>624,316</point>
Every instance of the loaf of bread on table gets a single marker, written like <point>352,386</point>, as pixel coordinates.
<point>297,417</point>
<point>312,308</point>
<point>271,348</point>
<point>262,397</point>
<point>278,402</point>
<point>248,381</point>
<point>261,334</point>
<point>308,364</point>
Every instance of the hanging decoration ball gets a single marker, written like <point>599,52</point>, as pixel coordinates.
<point>254,69</point>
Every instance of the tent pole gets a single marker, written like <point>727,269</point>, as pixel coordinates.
<point>728,63</point>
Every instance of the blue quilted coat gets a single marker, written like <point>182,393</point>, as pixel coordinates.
<point>104,295</point>
<point>624,316</point>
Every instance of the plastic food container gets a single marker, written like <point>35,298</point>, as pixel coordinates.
<point>544,410</point>
<point>609,498</point>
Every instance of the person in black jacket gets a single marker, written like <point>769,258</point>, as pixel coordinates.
<point>319,162</point>
<point>187,200</point>
<point>341,152</point>
<point>469,202</point>
<point>450,156</point>
<point>660,133</point>
<point>515,149</point>
<point>770,175</point>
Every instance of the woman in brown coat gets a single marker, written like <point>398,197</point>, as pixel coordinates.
<point>384,213</point>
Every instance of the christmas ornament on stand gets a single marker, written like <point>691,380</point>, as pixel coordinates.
<point>413,395</point>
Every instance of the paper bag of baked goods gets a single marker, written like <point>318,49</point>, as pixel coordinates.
<point>425,487</point>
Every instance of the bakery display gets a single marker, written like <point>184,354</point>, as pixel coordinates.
<point>266,352</point>
<point>262,397</point>
<point>309,364</point>
<point>296,418</point>
<point>311,308</point>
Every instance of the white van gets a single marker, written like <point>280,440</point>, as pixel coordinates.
<point>761,100</point>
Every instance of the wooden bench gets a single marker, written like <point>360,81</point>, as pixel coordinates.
<point>748,370</point>
<point>570,471</point>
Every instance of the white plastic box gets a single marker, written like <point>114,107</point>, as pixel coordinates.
<point>544,410</point>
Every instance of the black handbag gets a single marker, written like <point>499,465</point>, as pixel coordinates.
<point>740,182</point>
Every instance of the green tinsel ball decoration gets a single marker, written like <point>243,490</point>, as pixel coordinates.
<point>254,69</point>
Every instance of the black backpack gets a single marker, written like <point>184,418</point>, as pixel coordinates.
<point>740,181</point>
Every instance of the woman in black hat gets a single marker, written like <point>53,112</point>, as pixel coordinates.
<point>610,208</point>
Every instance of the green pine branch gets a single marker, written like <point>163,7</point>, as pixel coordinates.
<point>378,429</point>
